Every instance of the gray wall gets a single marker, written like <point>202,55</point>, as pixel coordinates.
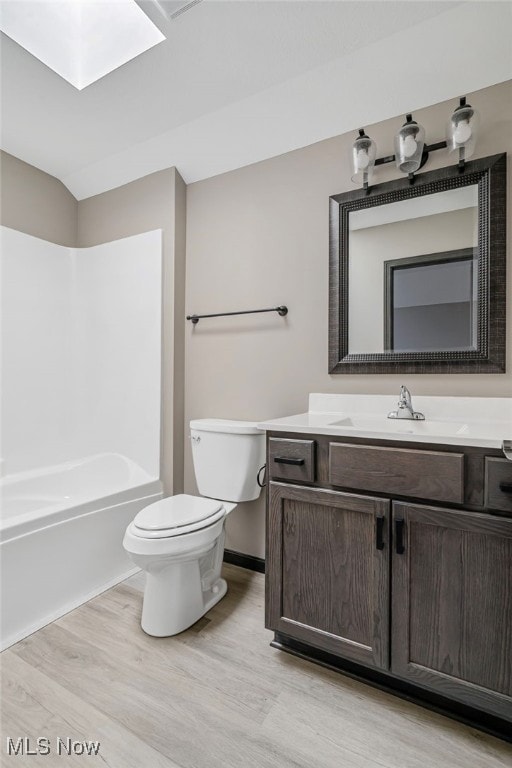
<point>36,203</point>
<point>258,237</point>
<point>157,201</point>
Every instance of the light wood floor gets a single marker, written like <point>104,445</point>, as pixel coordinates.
<point>216,696</point>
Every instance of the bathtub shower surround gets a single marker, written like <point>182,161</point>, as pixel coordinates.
<point>80,435</point>
<point>81,351</point>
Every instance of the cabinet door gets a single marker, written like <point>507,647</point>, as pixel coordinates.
<point>327,571</point>
<point>452,604</point>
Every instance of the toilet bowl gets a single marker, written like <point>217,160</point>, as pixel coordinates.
<point>179,541</point>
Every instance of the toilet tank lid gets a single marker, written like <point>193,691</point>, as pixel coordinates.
<point>229,426</point>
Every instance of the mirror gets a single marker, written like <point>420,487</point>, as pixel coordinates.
<point>419,254</point>
<point>417,274</point>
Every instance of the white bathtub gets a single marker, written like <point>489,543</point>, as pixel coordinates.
<point>61,533</point>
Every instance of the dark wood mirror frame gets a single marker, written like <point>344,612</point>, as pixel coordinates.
<point>489,173</point>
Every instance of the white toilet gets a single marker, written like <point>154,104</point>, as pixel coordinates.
<point>179,541</point>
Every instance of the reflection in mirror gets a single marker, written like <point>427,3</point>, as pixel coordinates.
<point>413,274</point>
<point>430,302</point>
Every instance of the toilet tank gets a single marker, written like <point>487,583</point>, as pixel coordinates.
<point>227,456</point>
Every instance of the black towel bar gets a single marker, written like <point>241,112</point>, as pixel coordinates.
<point>280,310</point>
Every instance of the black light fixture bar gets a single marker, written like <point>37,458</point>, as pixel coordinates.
<point>282,310</point>
<point>428,148</point>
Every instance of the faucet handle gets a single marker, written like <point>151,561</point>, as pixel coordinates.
<point>405,397</point>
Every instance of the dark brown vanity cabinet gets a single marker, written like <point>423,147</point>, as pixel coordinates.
<point>416,590</point>
<point>452,604</point>
<point>328,571</point>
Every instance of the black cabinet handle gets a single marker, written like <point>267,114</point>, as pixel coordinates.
<point>399,537</point>
<point>284,460</point>
<point>379,532</point>
<point>506,487</point>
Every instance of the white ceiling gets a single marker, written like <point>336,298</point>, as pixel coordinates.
<point>237,82</point>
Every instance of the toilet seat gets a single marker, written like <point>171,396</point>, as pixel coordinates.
<point>176,515</point>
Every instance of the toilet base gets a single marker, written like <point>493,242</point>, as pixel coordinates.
<point>166,626</point>
<point>177,594</point>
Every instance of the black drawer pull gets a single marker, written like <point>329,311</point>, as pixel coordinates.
<point>506,487</point>
<point>379,532</point>
<point>284,460</point>
<point>399,537</point>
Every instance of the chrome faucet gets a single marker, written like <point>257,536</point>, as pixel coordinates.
<point>405,409</point>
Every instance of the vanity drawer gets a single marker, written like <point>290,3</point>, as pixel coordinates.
<point>291,459</point>
<point>498,485</point>
<point>433,475</point>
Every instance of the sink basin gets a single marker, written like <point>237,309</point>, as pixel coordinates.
<point>402,426</point>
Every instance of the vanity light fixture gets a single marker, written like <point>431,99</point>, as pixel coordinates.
<point>411,151</point>
<point>364,153</point>
<point>462,130</point>
<point>409,144</point>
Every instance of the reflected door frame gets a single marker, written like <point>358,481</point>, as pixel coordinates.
<point>423,260</point>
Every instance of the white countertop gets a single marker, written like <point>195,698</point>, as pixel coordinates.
<point>472,421</point>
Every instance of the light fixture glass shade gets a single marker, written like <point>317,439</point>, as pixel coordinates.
<point>463,130</point>
<point>364,152</point>
<point>409,144</point>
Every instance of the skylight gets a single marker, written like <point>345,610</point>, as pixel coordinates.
<point>81,40</point>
